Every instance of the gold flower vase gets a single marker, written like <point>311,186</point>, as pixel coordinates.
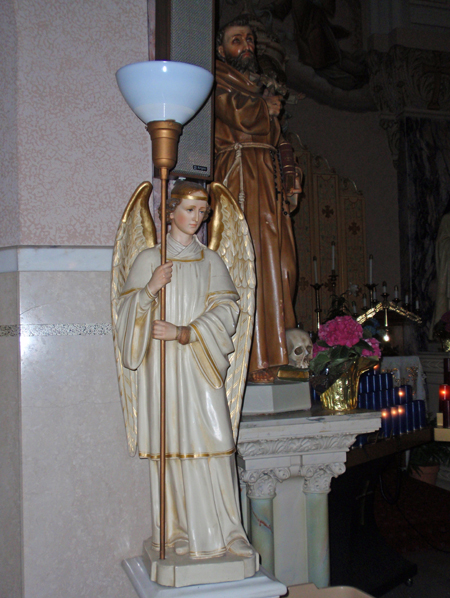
<point>343,394</point>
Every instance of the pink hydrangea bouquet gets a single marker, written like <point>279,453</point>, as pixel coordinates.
<point>341,342</point>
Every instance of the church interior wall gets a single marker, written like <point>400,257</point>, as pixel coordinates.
<point>9,208</point>
<point>80,151</point>
<point>85,501</point>
<point>73,503</point>
<point>356,146</point>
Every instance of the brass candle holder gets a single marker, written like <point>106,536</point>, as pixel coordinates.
<point>332,282</point>
<point>371,287</point>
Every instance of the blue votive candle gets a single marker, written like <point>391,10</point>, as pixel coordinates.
<point>364,383</point>
<point>394,419</point>
<point>384,398</point>
<point>386,423</point>
<point>422,413</point>
<point>402,425</point>
<point>409,393</point>
<point>362,401</point>
<point>416,412</point>
<point>401,395</point>
<point>377,382</point>
<point>315,396</point>
<point>392,397</point>
<point>409,410</point>
<point>378,402</point>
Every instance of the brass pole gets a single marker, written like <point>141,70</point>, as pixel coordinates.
<point>162,430</point>
<point>165,135</point>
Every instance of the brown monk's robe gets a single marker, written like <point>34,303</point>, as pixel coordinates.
<point>242,116</point>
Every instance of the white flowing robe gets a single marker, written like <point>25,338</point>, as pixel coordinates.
<point>202,488</point>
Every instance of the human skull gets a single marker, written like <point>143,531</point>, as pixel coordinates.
<point>300,347</point>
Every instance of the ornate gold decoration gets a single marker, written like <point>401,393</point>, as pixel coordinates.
<point>343,394</point>
<point>390,306</point>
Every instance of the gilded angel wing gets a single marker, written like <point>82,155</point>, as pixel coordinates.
<point>230,238</point>
<point>136,232</point>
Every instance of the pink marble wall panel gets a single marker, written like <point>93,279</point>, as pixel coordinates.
<point>9,208</point>
<point>81,150</point>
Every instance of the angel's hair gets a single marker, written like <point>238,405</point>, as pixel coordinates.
<point>185,190</point>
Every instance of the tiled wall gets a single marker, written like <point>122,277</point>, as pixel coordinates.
<point>78,500</point>
<point>10,451</point>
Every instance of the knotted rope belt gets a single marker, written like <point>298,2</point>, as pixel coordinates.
<point>237,148</point>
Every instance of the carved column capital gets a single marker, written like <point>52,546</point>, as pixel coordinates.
<point>408,80</point>
<point>262,483</point>
<point>296,445</point>
<point>405,78</point>
<point>318,477</point>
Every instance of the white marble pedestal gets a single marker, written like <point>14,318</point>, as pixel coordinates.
<point>286,463</point>
<point>260,585</point>
<point>276,398</point>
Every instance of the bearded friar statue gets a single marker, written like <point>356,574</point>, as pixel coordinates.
<point>257,165</point>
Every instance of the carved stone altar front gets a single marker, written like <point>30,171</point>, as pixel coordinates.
<point>286,463</point>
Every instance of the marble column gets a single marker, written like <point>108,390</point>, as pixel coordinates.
<point>289,520</point>
<point>316,487</point>
<point>261,490</point>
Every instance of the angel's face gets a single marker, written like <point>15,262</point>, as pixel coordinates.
<point>187,218</point>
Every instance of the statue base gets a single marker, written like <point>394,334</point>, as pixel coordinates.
<point>258,586</point>
<point>278,397</point>
<point>178,571</point>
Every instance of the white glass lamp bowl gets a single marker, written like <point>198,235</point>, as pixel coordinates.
<point>159,90</point>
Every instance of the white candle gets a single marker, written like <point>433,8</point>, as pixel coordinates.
<point>417,304</point>
<point>406,299</point>
<point>384,286</point>
<point>370,268</point>
<point>396,292</point>
<point>354,306</point>
<point>333,257</point>
<point>316,278</point>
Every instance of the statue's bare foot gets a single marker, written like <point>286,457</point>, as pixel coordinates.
<point>181,547</point>
<point>266,376</point>
<point>242,548</point>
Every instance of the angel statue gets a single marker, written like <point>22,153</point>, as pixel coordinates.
<point>208,330</point>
